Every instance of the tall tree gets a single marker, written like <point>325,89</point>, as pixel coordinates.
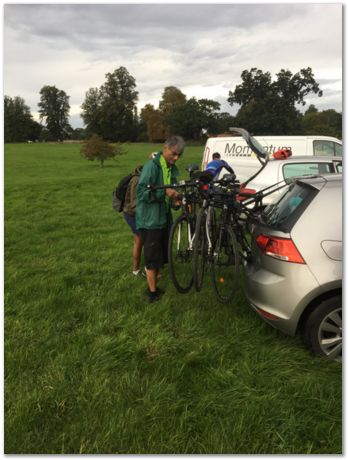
<point>110,111</point>
<point>155,123</point>
<point>172,99</point>
<point>54,111</point>
<point>19,125</point>
<point>269,107</point>
<point>91,112</point>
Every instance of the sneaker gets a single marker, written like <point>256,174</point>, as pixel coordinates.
<point>139,273</point>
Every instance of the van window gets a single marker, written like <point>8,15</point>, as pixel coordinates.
<point>339,167</point>
<point>324,148</point>
<point>338,149</point>
<point>307,169</point>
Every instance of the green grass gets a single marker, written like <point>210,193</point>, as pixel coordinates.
<point>90,367</point>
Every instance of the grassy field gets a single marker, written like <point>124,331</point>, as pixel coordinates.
<point>90,367</point>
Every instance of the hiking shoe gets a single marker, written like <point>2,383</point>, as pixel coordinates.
<point>158,290</point>
<point>154,296</point>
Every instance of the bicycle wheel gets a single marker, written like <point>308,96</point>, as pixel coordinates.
<point>225,265</point>
<point>180,253</point>
<point>200,248</point>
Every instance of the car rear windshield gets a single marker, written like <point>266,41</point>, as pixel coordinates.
<point>285,212</point>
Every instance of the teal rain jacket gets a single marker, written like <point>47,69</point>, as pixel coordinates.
<point>151,209</point>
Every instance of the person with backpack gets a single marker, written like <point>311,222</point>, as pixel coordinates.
<point>129,216</point>
<point>153,209</point>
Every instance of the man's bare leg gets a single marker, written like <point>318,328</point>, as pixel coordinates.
<point>151,276</point>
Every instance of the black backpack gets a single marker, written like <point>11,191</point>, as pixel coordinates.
<point>119,194</point>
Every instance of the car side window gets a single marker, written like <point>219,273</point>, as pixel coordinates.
<point>324,148</point>
<point>306,169</point>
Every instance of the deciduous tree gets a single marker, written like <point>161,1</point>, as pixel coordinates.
<point>97,149</point>
<point>155,123</point>
<point>189,118</point>
<point>269,106</point>
<point>19,125</point>
<point>326,123</point>
<point>110,111</point>
<point>172,99</point>
<point>54,111</point>
<point>91,112</point>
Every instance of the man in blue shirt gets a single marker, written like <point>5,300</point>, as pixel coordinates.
<point>216,165</point>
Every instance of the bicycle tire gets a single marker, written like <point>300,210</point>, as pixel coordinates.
<point>200,250</point>
<point>180,254</point>
<point>225,264</point>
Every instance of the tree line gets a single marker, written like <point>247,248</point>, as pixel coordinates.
<point>266,106</point>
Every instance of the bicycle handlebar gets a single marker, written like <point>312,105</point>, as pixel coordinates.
<point>203,178</point>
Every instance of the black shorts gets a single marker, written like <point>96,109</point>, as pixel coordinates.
<point>155,247</point>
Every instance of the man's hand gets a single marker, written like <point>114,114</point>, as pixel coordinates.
<point>172,193</point>
<point>174,196</point>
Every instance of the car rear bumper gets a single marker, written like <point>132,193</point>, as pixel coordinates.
<point>279,297</point>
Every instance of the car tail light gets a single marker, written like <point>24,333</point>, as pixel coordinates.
<point>247,191</point>
<point>279,248</point>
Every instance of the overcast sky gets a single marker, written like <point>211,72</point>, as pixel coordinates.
<point>199,48</point>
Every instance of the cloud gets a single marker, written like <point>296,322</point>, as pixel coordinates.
<point>200,48</point>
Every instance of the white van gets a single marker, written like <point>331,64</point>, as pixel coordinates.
<point>244,162</point>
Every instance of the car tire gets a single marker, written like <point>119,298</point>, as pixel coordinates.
<point>323,329</point>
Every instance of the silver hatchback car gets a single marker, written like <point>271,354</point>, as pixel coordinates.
<point>294,281</point>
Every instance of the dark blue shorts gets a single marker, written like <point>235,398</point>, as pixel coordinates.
<point>131,222</point>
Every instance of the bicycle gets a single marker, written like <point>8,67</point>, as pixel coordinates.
<point>180,244</point>
<point>215,246</point>
<point>221,239</point>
